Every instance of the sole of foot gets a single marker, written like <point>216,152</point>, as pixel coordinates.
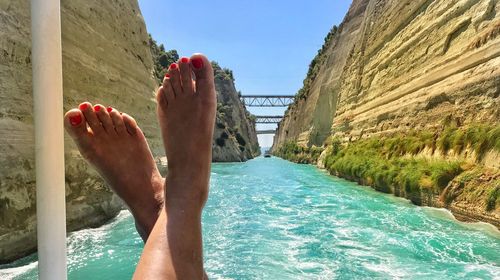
<point>115,146</point>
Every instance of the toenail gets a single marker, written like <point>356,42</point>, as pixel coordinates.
<point>75,120</point>
<point>83,106</point>
<point>167,75</point>
<point>97,108</point>
<point>197,63</point>
<point>173,66</point>
<point>184,60</point>
<point>109,109</point>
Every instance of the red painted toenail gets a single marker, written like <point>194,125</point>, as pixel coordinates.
<point>173,66</point>
<point>167,75</point>
<point>75,120</point>
<point>83,106</point>
<point>184,60</point>
<point>97,108</point>
<point>109,109</point>
<point>197,63</point>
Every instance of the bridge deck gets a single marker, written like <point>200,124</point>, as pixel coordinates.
<point>270,131</point>
<point>267,100</point>
<point>268,119</point>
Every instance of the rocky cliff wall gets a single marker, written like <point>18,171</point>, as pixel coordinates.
<point>400,67</point>
<point>235,138</point>
<point>309,119</point>
<point>417,62</point>
<point>106,59</point>
<point>395,65</point>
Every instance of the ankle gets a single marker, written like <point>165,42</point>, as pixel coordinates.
<point>146,215</point>
<point>186,193</point>
<point>146,211</point>
<point>184,209</point>
<point>193,202</point>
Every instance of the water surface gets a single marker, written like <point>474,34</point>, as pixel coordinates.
<point>272,219</point>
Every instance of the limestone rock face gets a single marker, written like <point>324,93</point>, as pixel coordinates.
<point>235,138</point>
<point>399,65</point>
<point>106,60</point>
<point>417,62</point>
<point>309,120</point>
<point>396,65</point>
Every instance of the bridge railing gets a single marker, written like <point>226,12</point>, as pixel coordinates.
<point>267,100</point>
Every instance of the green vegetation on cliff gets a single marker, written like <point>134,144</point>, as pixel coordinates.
<point>293,152</point>
<point>224,74</point>
<point>235,138</point>
<point>161,58</point>
<point>315,65</point>
<point>481,138</point>
<point>382,164</point>
<point>390,164</point>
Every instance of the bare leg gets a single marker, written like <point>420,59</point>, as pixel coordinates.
<point>116,147</point>
<point>186,111</point>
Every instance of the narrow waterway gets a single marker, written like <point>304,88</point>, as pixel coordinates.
<point>272,219</point>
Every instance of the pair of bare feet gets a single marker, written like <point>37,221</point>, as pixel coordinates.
<point>167,211</point>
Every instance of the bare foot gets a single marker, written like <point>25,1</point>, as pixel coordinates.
<point>186,112</point>
<point>116,147</point>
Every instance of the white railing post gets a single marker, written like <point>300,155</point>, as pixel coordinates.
<point>49,138</point>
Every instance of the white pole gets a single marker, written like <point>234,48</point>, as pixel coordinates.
<point>49,138</point>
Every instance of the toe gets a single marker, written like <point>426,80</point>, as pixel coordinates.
<point>118,123</point>
<point>161,99</point>
<point>130,124</point>
<point>204,75</point>
<point>74,123</point>
<point>91,118</point>
<point>175,79</point>
<point>168,90</point>
<point>186,75</point>
<point>104,118</point>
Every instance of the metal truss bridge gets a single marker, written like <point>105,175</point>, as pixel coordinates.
<point>270,131</point>
<point>267,100</point>
<point>268,119</point>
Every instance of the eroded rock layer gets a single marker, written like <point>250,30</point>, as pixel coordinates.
<point>107,60</point>
<point>395,65</point>
<point>235,138</point>
<point>399,66</point>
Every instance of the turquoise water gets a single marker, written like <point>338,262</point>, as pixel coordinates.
<point>271,219</point>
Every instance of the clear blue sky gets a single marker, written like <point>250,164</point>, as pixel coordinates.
<point>267,43</point>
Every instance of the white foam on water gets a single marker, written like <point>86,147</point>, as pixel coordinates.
<point>385,269</point>
<point>439,212</point>
<point>74,240</point>
<point>217,277</point>
<point>12,273</point>
<point>494,271</point>
<point>443,213</point>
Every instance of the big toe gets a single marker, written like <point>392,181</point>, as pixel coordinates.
<point>204,74</point>
<point>75,125</point>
